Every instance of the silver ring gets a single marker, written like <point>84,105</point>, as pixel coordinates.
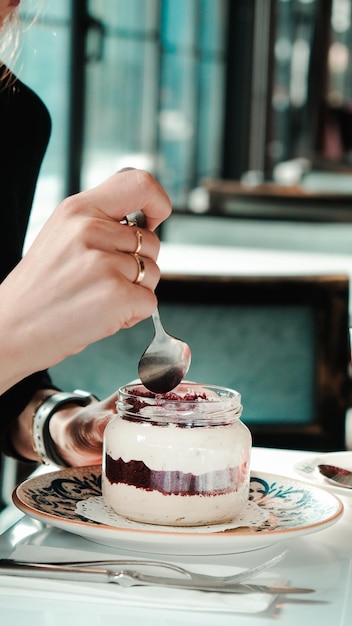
<point>141,268</point>
<point>139,241</point>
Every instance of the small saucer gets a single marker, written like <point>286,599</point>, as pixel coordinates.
<point>308,468</point>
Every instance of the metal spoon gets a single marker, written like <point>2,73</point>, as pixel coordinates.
<point>165,362</point>
<point>337,475</point>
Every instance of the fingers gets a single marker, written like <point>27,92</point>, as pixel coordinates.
<point>119,249</point>
<point>141,247</point>
<point>111,236</point>
<point>101,223</point>
<point>135,249</point>
<point>128,191</point>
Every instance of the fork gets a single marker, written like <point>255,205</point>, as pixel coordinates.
<point>131,577</point>
<point>189,576</point>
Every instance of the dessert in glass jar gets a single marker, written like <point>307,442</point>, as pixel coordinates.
<point>180,458</point>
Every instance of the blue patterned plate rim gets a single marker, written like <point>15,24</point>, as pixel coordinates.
<point>293,506</point>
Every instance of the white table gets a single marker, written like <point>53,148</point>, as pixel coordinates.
<point>225,260</point>
<point>322,561</point>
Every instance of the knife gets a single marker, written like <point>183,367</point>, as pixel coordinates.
<point>130,577</point>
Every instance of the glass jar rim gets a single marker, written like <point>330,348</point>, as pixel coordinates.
<point>201,404</point>
<point>186,386</point>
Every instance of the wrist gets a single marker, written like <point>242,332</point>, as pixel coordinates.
<point>43,442</point>
<point>21,430</point>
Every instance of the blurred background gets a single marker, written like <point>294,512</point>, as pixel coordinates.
<point>202,93</point>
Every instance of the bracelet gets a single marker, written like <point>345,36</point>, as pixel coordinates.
<point>42,440</point>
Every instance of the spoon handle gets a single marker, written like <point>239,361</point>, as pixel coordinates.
<point>135,219</point>
<point>157,322</point>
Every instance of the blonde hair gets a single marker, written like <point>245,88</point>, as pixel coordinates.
<point>9,43</point>
<point>11,35</point>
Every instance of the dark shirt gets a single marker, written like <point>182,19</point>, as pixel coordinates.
<point>25,128</point>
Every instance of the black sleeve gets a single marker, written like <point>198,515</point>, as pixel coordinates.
<point>14,401</point>
<point>25,132</point>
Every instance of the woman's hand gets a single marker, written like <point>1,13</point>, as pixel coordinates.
<point>76,284</point>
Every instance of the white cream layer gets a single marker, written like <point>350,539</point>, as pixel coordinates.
<point>152,507</point>
<point>196,450</point>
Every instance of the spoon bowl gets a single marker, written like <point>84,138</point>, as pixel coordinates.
<point>165,362</point>
<point>336,475</point>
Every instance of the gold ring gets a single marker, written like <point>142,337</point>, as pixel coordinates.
<point>139,241</point>
<point>141,268</point>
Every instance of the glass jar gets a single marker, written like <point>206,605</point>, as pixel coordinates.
<point>179,459</point>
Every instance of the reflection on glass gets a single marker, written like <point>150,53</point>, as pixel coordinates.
<point>156,98</point>
<point>293,40</point>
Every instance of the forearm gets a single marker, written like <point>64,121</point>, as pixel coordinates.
<point>13,366</point>
<point>19,347</point>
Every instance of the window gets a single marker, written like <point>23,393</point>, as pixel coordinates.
<point>148,91</point>
<point>189,89</point>
<point>155,96</point>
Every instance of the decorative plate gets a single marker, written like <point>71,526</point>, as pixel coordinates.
<point>308,468</point>
<point>291,508</point>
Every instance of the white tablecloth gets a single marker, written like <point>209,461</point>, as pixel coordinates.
<point>322,561</point>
